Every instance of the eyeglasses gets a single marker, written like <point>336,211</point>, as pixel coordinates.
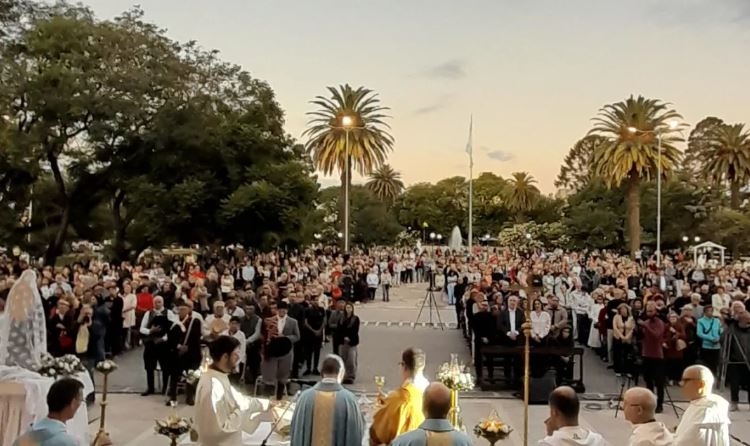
<point>683,381</point>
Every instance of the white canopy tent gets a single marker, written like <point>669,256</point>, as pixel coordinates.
<point>707,246</point>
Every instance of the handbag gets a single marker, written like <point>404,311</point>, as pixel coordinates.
<point>680,345</point>
<point>66,342</point>
<point>82,340</point>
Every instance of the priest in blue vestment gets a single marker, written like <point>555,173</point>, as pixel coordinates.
<point>328,414</point>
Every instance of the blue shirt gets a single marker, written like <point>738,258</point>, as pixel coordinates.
<point>48,432</point>
<point>418,437</point>
<point>709,332</point>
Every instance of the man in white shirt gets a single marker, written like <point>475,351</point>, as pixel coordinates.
<point>235,332</point>
<point>580,301</point>
<point>639,406</point>
<point>153,330</point>
<point>706,420</point>
<point>720,300</point>
<point>562,424</point>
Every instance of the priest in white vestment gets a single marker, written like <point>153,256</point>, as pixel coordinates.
<point>639,407</point>
<point>706,420</point>
<point>222,413</point>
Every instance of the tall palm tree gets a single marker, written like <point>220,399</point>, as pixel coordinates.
<point>726,157</point>
<point>522,192</point>
<point>628,157</point>
<point>369,136</point>
<point>386,183</point>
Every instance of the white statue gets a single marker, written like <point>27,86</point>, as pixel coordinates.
<point>23,335</point>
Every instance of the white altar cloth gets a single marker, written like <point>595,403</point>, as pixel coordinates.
<point>254,439</point>
<point>23,400</point>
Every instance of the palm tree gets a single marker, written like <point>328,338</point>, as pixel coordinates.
<point>726,157</point>
<point>386,183</point>
<point>522,192</point>
<point>369,136</point>
<point>628,157</point>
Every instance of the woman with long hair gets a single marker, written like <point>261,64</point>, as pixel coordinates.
<point>347,336</point>
<point>595,340</point>
<point>540,323</point>
<point>674,347</point>
<point>623,326</point>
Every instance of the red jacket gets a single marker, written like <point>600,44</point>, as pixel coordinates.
<point>654,335</point>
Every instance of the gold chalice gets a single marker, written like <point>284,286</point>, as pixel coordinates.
<point>380,383</point>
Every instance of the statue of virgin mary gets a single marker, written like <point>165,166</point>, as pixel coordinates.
<point>23,333</point>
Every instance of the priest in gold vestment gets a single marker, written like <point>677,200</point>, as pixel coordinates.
<point>402,409</point>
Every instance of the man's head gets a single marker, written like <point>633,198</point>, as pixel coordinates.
<point>697,382</point>
<point>283,307</point>
<point>219,308</point>
<point>158,303</point>
<point>412,362</point>
<point>249,311</point>
<point>553,302</point>
<point>225,353</point>
<point>231,303</point>
<point>708,311</point>
<point>513,302</point>
<point>563,409</point>
<point>639,405</point>
<point>234,324</point>
<point>333,367</point>
<point>63,399</point>
<point>436,402</point>
<point>184,308</point>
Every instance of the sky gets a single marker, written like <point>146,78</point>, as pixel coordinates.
<point>532,73</point>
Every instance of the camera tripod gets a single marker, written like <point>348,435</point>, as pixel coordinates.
<point>627,381</point>
<point>730,340</point>
<point>431,302</point>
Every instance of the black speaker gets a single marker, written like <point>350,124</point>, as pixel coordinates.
<point>540,388</point>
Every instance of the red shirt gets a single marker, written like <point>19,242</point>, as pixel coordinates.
<point>654,332</point>
<point>144,302</point>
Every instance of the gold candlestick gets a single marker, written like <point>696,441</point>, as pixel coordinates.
<point>105,368</point>
<point>526,354</point>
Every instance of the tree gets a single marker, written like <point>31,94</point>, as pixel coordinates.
<point>522,192</point>
<point>726,158</point>
<point>627,157</point>
<point>386,183</point>
<point>576,170</point>
<point>698,142</point>
<point>368,134</point>
<point>371,222</point>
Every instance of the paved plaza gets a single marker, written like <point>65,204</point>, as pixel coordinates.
<point>387,329</point>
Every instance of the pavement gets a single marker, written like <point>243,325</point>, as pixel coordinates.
<point>388,328</point>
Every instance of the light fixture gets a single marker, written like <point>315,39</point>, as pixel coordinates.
<point>440,236</point>
<point>347,121</point>
<point>341,235</point>
<point>528,236</point>
<point>685,238</point>
<point>432,236</point>
<point>486,236</point>
<point>697,239</point>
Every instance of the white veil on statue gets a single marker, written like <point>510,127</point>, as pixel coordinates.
<point>23,335</point>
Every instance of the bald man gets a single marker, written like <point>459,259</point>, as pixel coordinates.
<point>706,420</point>
<point>639,406</point>
<point>435,429</point>
<point>562,425</point>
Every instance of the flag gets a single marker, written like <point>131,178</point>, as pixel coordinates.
<point>469,144</point>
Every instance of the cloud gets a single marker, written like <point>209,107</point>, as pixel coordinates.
<point>499,155</point>
<point>439,104</point>
<point>452,70</point>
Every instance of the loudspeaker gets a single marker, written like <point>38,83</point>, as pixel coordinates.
<point>540,388</point>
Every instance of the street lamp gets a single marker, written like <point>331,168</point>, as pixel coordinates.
<point>347,122</point>
<point>685,238</point>
<point>671,125</point>
<point>528,236</point>
<point>439,237</point>
<point>340,235</point>
<point>432,236</point>
<point>697,239</point>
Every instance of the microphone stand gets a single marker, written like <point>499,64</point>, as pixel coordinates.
<point>276,423</point>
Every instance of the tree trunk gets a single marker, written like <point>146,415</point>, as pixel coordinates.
<point>118,244</point>
<point>734,203</point>
<point>54,249</point>
<point>633,203</point>
<point>734,195</point>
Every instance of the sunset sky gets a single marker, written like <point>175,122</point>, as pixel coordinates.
<point>533,73</point>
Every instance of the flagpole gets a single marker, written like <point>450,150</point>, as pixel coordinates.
<point>470,150</point>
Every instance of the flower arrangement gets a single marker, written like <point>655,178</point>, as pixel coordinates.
<point>57,367</point>
<point>173,427</point>
<point>106,367</point>
<point>192,376</point>
<point>492,429</point>
<point>455,376</point>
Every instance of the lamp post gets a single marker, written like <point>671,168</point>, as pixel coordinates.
<point>672,125</point>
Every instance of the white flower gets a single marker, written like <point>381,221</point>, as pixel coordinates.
<point>505,429</point>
